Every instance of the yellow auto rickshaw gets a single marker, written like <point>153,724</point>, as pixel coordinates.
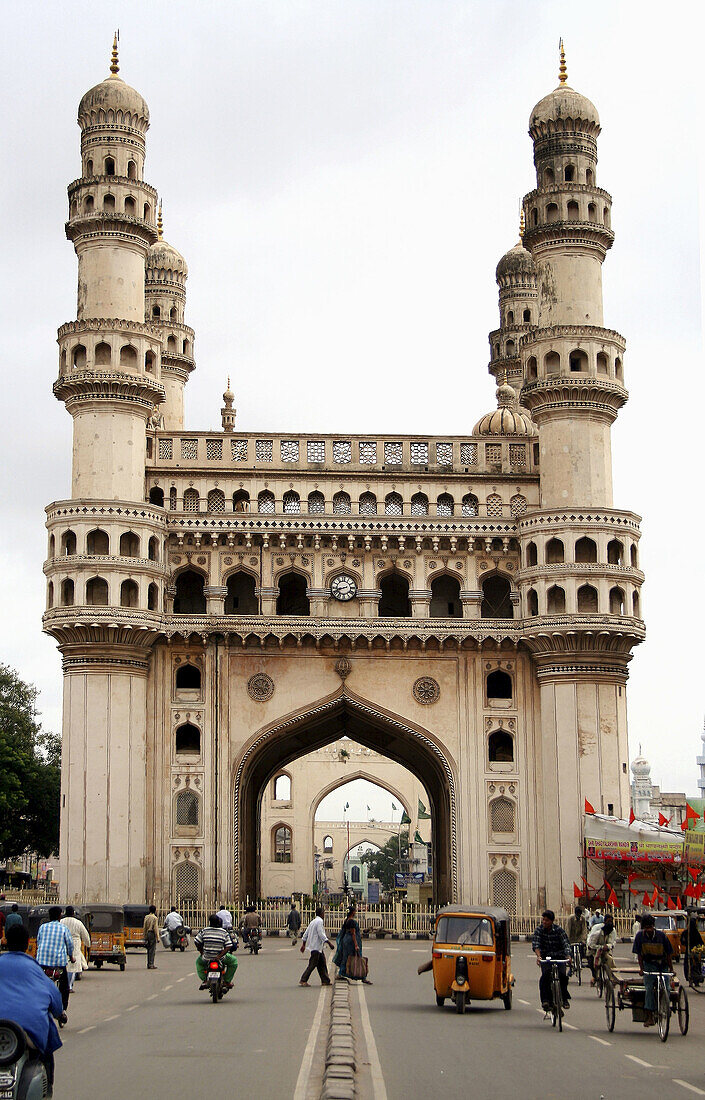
<point>106,925</point>
<point>471,956</point>
<point>672,923</point>
<point>134,926</point>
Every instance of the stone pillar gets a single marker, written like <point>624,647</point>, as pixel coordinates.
<point>215,599</point>
<point>103,849</point>
<point>268,600</point>
<point>369,601</point>
<point>471,601</point>
<point>318,600</point>
<point>420,603</point>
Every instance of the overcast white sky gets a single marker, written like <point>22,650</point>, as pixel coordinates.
<point>342,177</point>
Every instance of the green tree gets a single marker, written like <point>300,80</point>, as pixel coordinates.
<point>30,768</point>
<point>383,862</point>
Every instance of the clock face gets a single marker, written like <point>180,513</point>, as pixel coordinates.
<point>343,587</point>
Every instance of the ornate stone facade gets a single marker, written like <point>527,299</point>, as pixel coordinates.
<point>226,602</point>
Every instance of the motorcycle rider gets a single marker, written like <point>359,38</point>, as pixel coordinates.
<point>226,917</point>
<point>215,942</point>
<point>55,948</point>
<point>29,998</point>
<point>173,922</point>
<point>250,923</point>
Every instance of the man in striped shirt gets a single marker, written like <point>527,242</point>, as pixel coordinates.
<point>212,943</point>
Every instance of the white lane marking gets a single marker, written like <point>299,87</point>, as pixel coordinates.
<point>571,1027</point>
<point>179,980</point>
<point>639,1061</point>
<point>109,1018</point>
<point>603,1042</point>
<point>691,1088</point>
<point>378,1086</point>
<point>523,1002</point>
<point>391,948</point>
<point>85,1029</point>
<point>419,951</point>
<point>302,1080</point>
<point>165,987</point>
<point>152,997</point>
<point>131,1008</point>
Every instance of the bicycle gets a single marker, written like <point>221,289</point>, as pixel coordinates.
<point>576,962</point>
<point>557,1010</point>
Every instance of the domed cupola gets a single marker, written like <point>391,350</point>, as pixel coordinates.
<point>517,264</point>
<point>518,309</point>
<point>563,109</point>
<point>113,102</point>
<point>506,419</point>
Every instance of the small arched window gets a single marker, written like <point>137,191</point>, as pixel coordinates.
<point>502,816</point>
<point>555,552</point>
<point>504,890</point>
<point>216,501</point>
<point>534,216</point>
<point>153,549</point>
<point>68,543</point>
<point>587,599</point>
<point>241,501</point>
<point>109,166</point>
<point>592,212</point>
<point>241,598</point>
<point>569,173</point>
<point>419,504</point>
<point>156,496</point>
<point>293,597</point>
<point>526,316</point>
<point>171,344</point>
<point>578,361</point>
<point>103,354</point>
<point>188,677</point>
<point>532,556</point>
<point>129,545</point>
<point>89,168</point>
<point>470,505</point>
<point>172,314</point>
<point>341,505</point>
<point>191,500</point>
<point>292,503</point>
<point>618,371</point>
<point>532,602</point>
<point>615,552</point>
<point>394,601</point>
<point>282,844</point>
<point>496,598</point>
<point>510,316</point>
<point>316,503</point>
<point>52,546</point>
<point>327,843</point>
<point>149,362</point>
<point>97,544</point>
<point>635,604</point>
<point>603,366</point>
<point>589,177</point>
<point>282,788</point>
<point>393,505</point>
<point>355,873</point>
<point>552,212</point>
<point>368,504</point>
<point>445,505</point>
<point>156,312</point>
<point>517,505</point>
<point>97,592</point>
<point>188,739</point>
<point>445,598</point>
<point>78,357</point>
<point>187,806</point>
<point>130,207</point>
<point>129,594</point>
<point>67,590</point>
<point>634,556</point>
<point>265,502</point>
<point>616,601</point>
<point>131,170</point>
<point>108,202</point>
<point>549,177</point>
<point>153,597</point>
<point>573,211</point>
<point>585,551</point>
<point>499,684</point>
<point>500,747</point>
<point>189,598</point>
<point>552,363</point>
<point>172,499</point>
<point>50,594</point>
<point>147,212</point>
<point>555,600</point>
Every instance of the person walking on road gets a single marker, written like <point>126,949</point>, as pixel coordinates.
<point>349,943</point>
<point>79,935</point>
<point>315,939</point>
<point>293,924</point>
<point>150,927</point>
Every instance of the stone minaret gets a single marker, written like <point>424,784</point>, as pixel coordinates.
<point>518,311</point>
<point>106,547</point>
<point>165,303</point>
<point>580,580</point>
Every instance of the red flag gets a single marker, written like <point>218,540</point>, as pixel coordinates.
<point>612,898</point>
<point>680,903</point>
<point>690,814</point>
<point>647,898</point>
<point>588,808</point>
<point>663,820</point>
<point>654,899</point>
<point>691,891</point>
<point>670,903</point>
<point>694,872</point>
<point>632,875</point>
<point>632,817</point>
<point>577,892</point>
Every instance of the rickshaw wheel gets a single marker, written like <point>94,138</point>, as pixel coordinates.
<point>609,1007</point>
<point>507,999</point>
<point>460,999</point>
<point>440,1001</point>
<point>683,1011</point>
<point>98,963</point>
<point>122,966</point>
<point>664,1013</point>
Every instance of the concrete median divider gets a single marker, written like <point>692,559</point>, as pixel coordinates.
<point>339,1074</point>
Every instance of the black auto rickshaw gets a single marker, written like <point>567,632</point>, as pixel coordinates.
<point>106,924</point>
<point>23,910</point>
<point>134,926</point>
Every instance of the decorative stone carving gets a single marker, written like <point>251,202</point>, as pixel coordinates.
<point>343,668</point>
<point>260,687</point>
<point>426,690</point>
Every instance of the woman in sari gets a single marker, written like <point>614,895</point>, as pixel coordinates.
<point>350,944</point>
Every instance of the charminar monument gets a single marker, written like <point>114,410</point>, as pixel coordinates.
<point>226,603</point>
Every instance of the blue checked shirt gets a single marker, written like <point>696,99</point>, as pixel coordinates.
<point>54,944</point>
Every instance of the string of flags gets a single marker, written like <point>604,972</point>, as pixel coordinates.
<point>690,815</point>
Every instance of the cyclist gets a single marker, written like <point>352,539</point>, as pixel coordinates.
<point>550,942</point>
<point>601,942</point>
<point>653,950</point>
<point>578,930</point>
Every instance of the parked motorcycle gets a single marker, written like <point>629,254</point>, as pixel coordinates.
<point>23,1075</point>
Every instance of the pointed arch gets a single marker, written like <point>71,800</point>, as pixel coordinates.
<point>395,737</point>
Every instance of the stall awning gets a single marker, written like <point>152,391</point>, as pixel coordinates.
<point>614,838</point>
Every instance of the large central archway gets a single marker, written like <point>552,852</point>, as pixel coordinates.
<point>273,747</point>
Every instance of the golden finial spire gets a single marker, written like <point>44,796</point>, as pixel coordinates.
<point>562,70</point>
<point>114,64</point>
<point>522,225</point>
<point>160,223</point>
<point>228,381</point>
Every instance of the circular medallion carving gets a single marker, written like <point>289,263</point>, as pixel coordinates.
<point>426,690</point>
<point>227,561</point>
<point>201,561</point>
<point>260,687</point>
